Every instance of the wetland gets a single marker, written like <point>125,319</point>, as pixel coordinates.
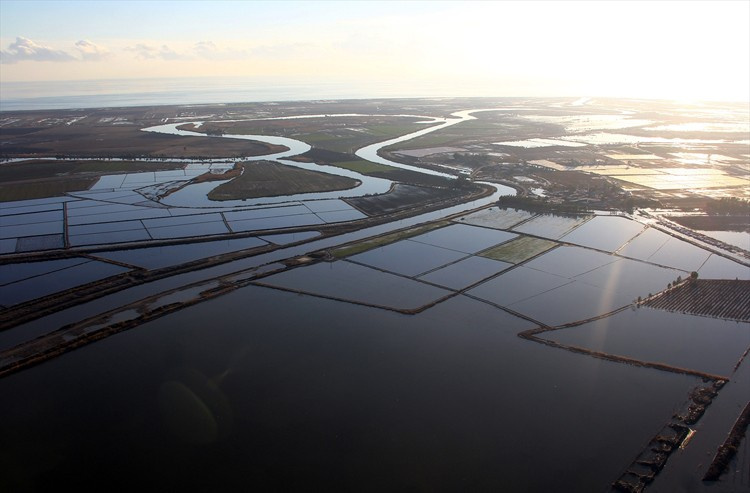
<point>335,295</point>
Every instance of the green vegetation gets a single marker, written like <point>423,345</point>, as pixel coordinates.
<point>728,206</point>
<point>363,246</point>
<point>364,167</point>
<point>42,168</point>
<point>519,249</point>
<point>268,179</point>
<point>42,178</point>
<point>534,204</point>
<point>41,189</point>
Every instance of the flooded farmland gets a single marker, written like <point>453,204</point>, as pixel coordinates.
<point>404,335</point>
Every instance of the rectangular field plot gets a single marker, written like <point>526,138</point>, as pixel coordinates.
<point>549,226</point>
<point>60,280</point>
<point>266,212</point>
<point>408,257</point>
<point>33,205</point>
<point>182,220</point>
<point>604,232</point>
<point>287,238</point>
<point>31,218</point>
<point>497,218</point>
<point>516,285</point>
<point>645,244</point>
<point>328,205</point>
<point>110,237</point>
<point>680,255</point>
<point>166,256</point>
<point>569,303</point>
<point>88,229</point>
<point>596,292</point>
<point>341,216</point>
<point>8,245</point>
<point>570,261</point>
<point>125,214</point>
<point>41,242</point>
<point>717,267</point>
<point>699,343</point>
<point>277,222</point>
<point>464,238</point>
<point>465,272</point>
<point>189,230</point>
<point>519,250</point>
<point>37,229</point>
<point>10,273</point>
<point>348,281</point>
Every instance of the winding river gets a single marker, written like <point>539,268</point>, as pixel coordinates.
<point>195,195</point>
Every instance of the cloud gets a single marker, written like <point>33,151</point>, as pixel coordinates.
<point>283,50</point>
<point>209,51</point>
<point>91,51</point>
<point>24,49</point>
<point>148,52</point>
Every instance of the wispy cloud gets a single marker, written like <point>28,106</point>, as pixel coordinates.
<point>24,49</point>
<point>283,50</point>
<point>149,52</point>
<point>91,51</point>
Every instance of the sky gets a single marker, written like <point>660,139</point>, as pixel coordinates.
<point>680,50</point>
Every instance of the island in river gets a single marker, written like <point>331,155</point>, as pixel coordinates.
<point>352,320</point>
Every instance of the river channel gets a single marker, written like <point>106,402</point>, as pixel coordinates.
<point>279,391</point>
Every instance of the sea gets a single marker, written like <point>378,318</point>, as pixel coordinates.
<point>17,96</point>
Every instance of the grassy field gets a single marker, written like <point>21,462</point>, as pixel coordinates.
<point>41,189</point>
<point>122,142</point>
<point>37,179</point>
<point>268,179</point>
<point>519,249</point>
<point>339,134</point>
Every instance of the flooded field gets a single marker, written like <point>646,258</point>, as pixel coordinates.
<point>304,387</point>
<point>375,338</point>
<point>687,341</point>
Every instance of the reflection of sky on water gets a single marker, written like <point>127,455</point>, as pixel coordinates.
<point>687,341</point>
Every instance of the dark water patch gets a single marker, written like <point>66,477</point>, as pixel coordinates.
<point>53,282</point>
<point>165,256</point>
<point>109,238</point>
<point>90,229</point>
<point>10,273</point>
<point>286,238</point>
<point>327,394</point>
<point>31,218</point>
<point>348,281</point>
<point>125,215</point>
<point>42,242</point>
<point>278,222</point>
<point>38,229</point>
<point>189,230</point>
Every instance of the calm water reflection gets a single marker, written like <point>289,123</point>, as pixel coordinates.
<point>330,396</point>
